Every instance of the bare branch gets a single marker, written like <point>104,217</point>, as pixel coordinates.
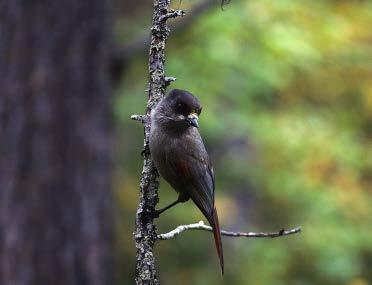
<point>172,14</point>
<point>145,231</point>
<point>201,226</point>
<point>140,118</point>
<point>224,2</point>
<point>122,54</point>
<point>169,80</point>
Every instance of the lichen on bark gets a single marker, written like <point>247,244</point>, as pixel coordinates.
<point>145,231</point>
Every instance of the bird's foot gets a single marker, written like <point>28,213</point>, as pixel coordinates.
<point>146,150</point>
<point>151,214</point>
<point>155,214</point>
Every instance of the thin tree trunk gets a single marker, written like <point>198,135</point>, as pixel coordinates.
<point>54,143</point>
<point>145,232</point>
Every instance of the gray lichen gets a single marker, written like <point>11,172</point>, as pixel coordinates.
<point>145,232</point>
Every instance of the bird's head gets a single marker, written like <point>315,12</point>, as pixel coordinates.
<point>180,109</point>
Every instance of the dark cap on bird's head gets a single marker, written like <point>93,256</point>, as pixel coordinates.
<point>182,106</point>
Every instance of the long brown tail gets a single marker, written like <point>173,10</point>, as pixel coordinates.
<point>213,220</point>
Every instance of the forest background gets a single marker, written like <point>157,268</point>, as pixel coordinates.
<point>286,89</point>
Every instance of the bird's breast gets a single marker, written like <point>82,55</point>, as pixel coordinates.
<point>165,151</point>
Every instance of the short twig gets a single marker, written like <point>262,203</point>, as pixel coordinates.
<point>172,14</point>
<point>140,118</point>
<point>168,80</point>
<point>203,227</point>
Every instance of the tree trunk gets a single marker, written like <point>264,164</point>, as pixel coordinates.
<point>145,232</point>
<point>55,159</point>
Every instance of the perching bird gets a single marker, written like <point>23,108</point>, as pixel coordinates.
<point>179,154</point>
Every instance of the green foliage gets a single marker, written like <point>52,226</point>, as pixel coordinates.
<point>287,95</point>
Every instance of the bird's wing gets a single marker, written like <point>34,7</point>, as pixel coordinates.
<point>196,174</point>
<point>196,179</point>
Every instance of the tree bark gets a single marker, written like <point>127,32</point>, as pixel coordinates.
<point>145,232</point>
<point>55,138</point>
<point>124,53</point>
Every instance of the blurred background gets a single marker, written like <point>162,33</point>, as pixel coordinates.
<point>286,89</point>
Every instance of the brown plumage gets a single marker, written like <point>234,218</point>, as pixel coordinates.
<point>181,158</point>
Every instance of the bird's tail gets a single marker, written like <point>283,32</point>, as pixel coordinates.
<point>213,220</point>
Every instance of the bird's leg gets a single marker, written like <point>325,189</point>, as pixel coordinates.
<point>158,212</point>
<point>181,199</point>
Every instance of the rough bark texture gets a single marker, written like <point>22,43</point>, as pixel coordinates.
<point>54,143</point>
<point>138,47</point>
<point>145,232</point>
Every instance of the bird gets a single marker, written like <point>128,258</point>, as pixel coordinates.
<point>180,156</point>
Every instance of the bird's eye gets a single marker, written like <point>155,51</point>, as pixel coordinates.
<point>180,108</point>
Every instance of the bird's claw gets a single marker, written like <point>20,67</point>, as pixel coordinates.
<point>151,214</point>
<point>146,150</point>
<point>155,214</point>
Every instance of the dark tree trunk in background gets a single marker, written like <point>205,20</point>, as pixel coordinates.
<point>55,196</point>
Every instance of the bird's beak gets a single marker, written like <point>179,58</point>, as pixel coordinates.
<point>192,119</point>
